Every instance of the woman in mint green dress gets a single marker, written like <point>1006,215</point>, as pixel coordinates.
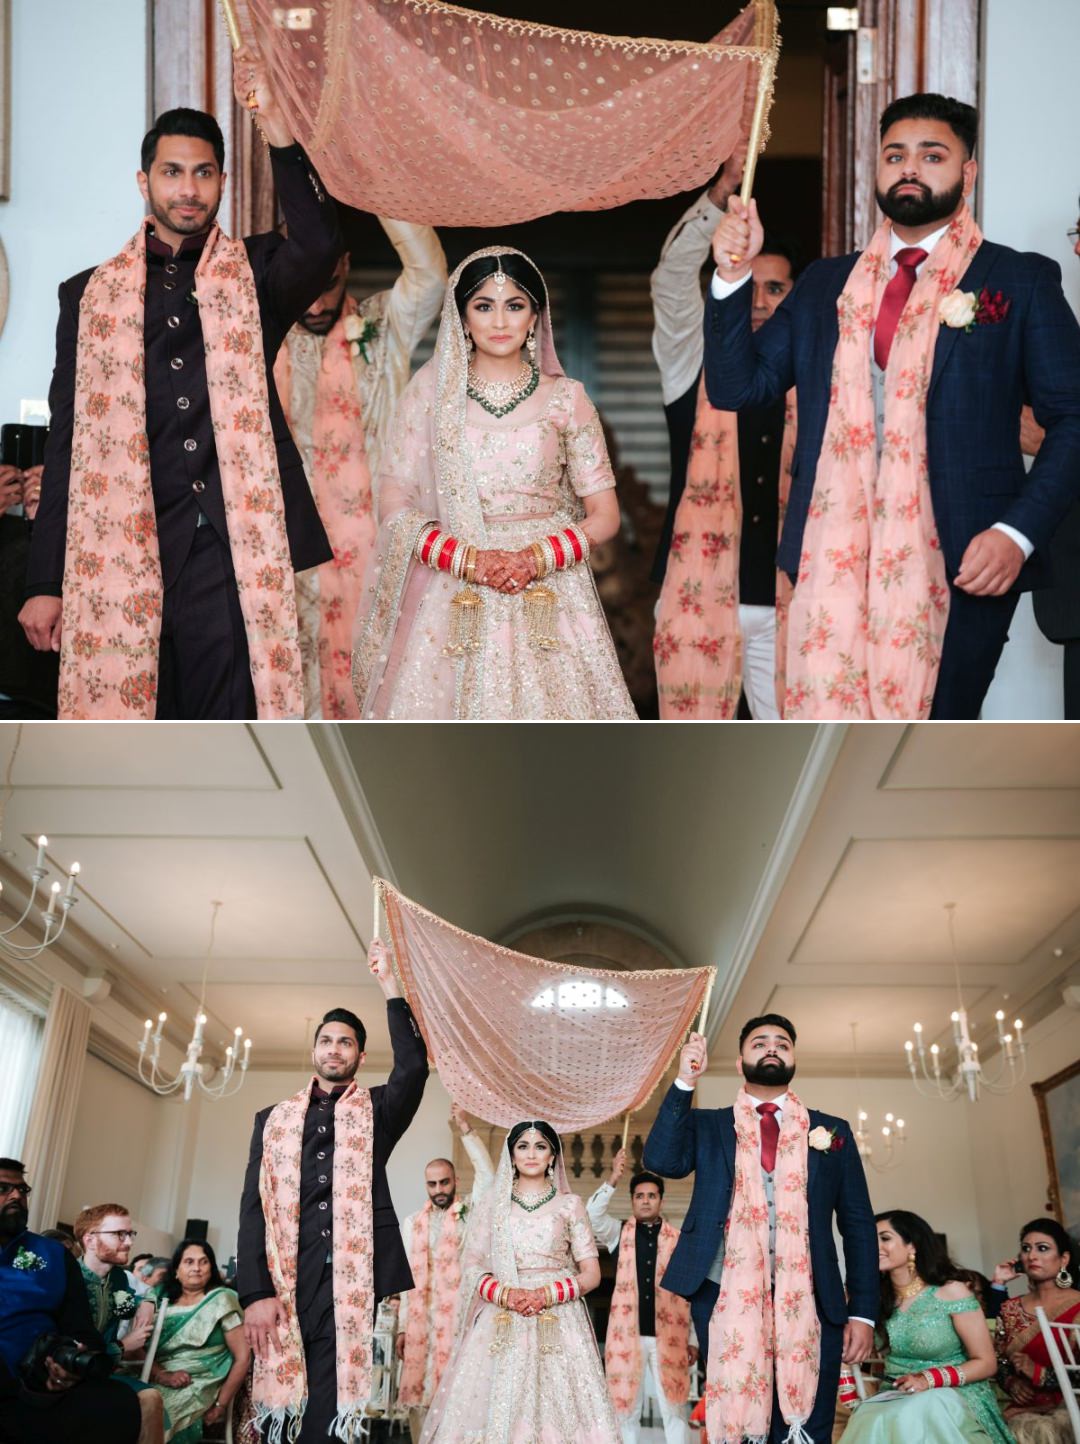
<point>939,1358</point>
<point>202,1357</point>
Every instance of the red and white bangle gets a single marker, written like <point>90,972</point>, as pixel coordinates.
<point>946,1377</point>
<point>564,549</point>
<point>489,1288</point>
<point>440,551</point>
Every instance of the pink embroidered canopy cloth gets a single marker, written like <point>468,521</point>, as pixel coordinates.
<point>428,112</point>
<point>519,1037</point>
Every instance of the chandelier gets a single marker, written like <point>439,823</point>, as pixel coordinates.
<point>192,1068</point>
<point>892,1131</point>
<point>53,917</point>
<point>968,1076</point>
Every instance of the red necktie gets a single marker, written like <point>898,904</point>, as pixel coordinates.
<point>770,1135</point>
<point>894,301</point>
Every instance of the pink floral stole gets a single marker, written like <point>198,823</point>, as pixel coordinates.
<point>342,489</point>
<point>758,1326</point>
<point>112,592</point>
<point>438,1286</point>
<point>872,600</point>
<point>622,1351</point>
<point>698,643</point>
<point>280,1384</point>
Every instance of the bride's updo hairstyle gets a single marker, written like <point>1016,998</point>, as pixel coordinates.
<point>544,1129</point>
<point>522,272</point>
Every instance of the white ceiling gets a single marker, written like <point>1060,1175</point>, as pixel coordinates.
<point>810,865</point>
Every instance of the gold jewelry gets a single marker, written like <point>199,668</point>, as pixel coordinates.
<point>733,258</point>
<point>530,344</point>
<point>500,278</point>
<point>911,1290</point>
<point>253,100</point>
<point>540,559</point>
<point>1063,1278</point>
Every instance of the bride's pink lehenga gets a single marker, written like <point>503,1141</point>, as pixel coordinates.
<point>514,1380</point>
<point>496,484</point>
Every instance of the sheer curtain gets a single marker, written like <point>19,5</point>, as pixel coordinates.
<point>20,1048</point>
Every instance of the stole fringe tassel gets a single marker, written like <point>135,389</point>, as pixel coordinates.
<point>279,1426</point>
<point>351,1424</point>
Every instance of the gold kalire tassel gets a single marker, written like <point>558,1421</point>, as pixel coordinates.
<point>548,1330</point>
<point>502,1332</point>
<point>463,635</point>
<point>540,607</point>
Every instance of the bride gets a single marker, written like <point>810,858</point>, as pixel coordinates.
<point>495,486</point>
<point>526,1369</point>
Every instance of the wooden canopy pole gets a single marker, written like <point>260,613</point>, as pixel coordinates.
<point>625,1130</point>
<point>765,37</point>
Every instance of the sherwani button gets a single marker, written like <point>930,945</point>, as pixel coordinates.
<point>173,322</point>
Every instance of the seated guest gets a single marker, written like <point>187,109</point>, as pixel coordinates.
<point>936,1345</point>
<point>151,1273</point>
<point>202,1356</point>
<point>135,1265</point>
<point>105,1234</point>
<point>44,1303</point>
<point>1036,1414</point>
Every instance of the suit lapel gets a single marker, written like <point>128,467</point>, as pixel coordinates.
<point>973,279</point>
<point>814,1155</point>
<point>727,1138</point>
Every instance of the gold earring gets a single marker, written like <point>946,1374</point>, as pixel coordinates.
<point>530,344</point>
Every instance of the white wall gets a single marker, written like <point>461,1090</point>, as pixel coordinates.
<point>1028,186</point>
<point>78,114</point>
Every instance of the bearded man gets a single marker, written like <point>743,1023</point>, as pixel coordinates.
<point>911,526</point>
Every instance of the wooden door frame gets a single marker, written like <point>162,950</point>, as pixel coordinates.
<point>191,64</point>
<point>902,47</point>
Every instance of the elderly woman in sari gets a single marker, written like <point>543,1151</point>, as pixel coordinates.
<point>495,486</point>
<point>202,1357</point>
<point>1048,1257</point>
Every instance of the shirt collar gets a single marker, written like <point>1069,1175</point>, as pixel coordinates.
<point>188,245</point>
<point>780,1102</point>
<point>927,243</point>
<point>335,1092</point>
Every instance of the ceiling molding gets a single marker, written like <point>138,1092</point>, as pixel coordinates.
<point>333,754</point>
<point>805,797</point>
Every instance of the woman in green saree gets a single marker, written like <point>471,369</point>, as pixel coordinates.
<point>202,1356</point>
<point>939,1359</point>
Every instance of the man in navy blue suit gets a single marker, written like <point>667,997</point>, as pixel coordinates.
<point>685,1139</point>
<point>994,522</point>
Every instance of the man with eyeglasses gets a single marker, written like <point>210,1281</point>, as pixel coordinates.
<point>42,1293</point>
<point>121,1317</point>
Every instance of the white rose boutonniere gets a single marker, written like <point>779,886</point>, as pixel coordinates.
<point>460,1208</point>
<point>26,1261</point>
<point>359,333</point>
<point>124,1303</point>
<point>820,1138</point>
<point>958,309</point>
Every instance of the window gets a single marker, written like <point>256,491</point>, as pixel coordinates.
<point>20,1048</point>
<point>580,995</point>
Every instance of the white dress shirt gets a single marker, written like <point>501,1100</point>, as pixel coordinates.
<point>721,289</point>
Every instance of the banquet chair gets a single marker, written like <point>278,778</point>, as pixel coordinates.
<point>1063,1345</point>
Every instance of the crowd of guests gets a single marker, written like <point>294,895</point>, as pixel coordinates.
<point>81,1315</point>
